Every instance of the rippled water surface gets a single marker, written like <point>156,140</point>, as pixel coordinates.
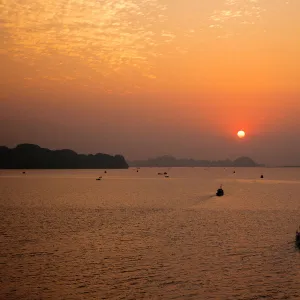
<point>138,235</point>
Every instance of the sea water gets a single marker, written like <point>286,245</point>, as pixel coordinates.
<point>139,235</point>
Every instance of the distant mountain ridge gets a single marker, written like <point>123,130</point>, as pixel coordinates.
<point>170,161</point>
<point>30,156</point>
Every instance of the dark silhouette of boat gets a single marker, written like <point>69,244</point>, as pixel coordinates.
<point>220,192</point>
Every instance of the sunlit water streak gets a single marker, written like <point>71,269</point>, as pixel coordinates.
<point>132,235</point>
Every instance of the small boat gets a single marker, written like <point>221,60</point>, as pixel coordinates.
<point>220,192</point>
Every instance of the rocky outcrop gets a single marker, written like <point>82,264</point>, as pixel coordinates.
<point>244,162</point>
<point>30,156</point>
<point>170,161</point>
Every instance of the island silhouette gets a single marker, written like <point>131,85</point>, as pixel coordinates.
<point>170,161</point>
<point>30,156</point>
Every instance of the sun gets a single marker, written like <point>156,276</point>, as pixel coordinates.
<point>241,134</point>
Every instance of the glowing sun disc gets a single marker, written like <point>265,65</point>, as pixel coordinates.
<point>241,134</point>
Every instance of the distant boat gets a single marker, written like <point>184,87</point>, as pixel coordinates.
<point>220,192</point>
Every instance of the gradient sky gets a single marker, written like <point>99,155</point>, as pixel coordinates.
<point>150,77</point>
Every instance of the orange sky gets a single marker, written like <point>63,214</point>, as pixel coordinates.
<point>147,77</point>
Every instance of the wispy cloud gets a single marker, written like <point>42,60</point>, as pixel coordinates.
<point>107,35</point>
<point>240,11</point>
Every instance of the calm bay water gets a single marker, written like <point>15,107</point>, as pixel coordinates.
<point>138,235</point>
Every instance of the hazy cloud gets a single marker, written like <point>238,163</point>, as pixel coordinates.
<point>241,11</point>
<point>111,33</point>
